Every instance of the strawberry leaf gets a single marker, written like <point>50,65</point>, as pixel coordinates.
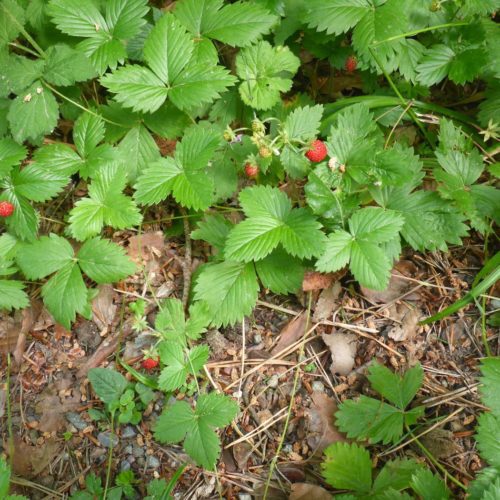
<point>12,295</point>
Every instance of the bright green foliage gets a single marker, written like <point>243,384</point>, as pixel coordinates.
<point>428,486</point>
<point>12,19</point>
<point>65,293</point>
<point>377,421</point>
<point>180,422</point>
<point>11,154</point>
<point>490,369</point>
<point>185,175</point>
<point>179,364</point>
<point>271,221</point>
<point>171,323</point>
<point>90,157</point>
<point>270,272</point>
<point>167,51</point>
<point>12,295</point>
<point>214,230</point>
<point>106,205</point>
<point>105,34</point>
<point>229,289</point>
<point>265,71</point>
<point>109,385</point>
<point>65,66</point>
<point>349,467</point>
<point>361,247</point>
<point>239,24</point>
<point>33,113</point>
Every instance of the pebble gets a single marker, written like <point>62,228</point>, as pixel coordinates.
<point>128,449</point>
<point>76,420</point>
<point>138,451</point>
<point>273,381</point>
<point>152,462</point>
<point>124,465</point>
<point>107,439</point>
<point>244,496</point>
<point>141,462</point>
<point>128,432</point>
<point>131,459</point>
<point>318,386</point>
<point>257,339</point>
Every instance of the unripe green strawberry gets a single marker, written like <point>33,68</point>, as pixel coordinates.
<point>265,152</point>
<point>258,127</point>
<point>6,209</point>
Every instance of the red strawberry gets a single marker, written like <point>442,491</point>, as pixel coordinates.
<point>251,170</point>
<point>317,152</point>
<point>149,363</point>
<point>351,63</point>
<point>6,209</point>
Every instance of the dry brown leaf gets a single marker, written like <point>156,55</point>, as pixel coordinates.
<point>103,307</point>
<point>146,245</point>
<point>343,349</point>
<point>316,281</point>
<point>241,453</point>
<point>292,332</point>
<point>327,302</point>
<point>321,429</point>
<point>304,491</point>
<point>10,327</point>
<point>408,318</point>
<point>28,461</point>
<point>441,443</point>
<point>397,286</point>
<point>52,408</point>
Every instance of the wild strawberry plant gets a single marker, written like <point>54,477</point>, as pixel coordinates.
<point>90,88</point>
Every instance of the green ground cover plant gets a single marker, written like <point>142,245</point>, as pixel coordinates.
<point>89,89</point>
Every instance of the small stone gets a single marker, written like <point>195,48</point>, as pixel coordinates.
<point>107,439</point>
<point>318,386</point>
<point>273,381</point>
<point>131,459</point>
<point>128,449</point>
<point>128,432</point>
<point>244,496</point>
<point>76,420</point>
<point>124,465</point>
<point>152,462</point>
<point>257,339</point>
<point>138,452</point>
<point>287,448</point>
<point>141,462</point>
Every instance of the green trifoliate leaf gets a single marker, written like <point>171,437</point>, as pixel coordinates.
<point>348,467</point>
<point>490,370</point>
<point>22,73</point>
<point>11,154</point>
<point>105,34</point>
<point>303,123</point>
<point>64,66</point>
<point>265,72</point>
<point>108,384</point>
<point>88,132</point>
<point>179,363</point>
<point>486,432</point>
<point>106,205</point>
<point>396,474</point>
<point>104,261</point>
<point>271,221</point>
<point>139,150</point>
<point>179,422</point>
<point>270,271</point>
<point>229,289</point>
<point>44,256</point>
<point>429,486</point>
<point>239,24</point>
<point>37,183</point>
<point>12,20</point>
<point>24,221</point>
<point>398,390</point>
<point>65,294</point>
<point>12,295</point>
<point>369,227</point>
<point>184,175</point>
<point>213,229</point>
<point>170,320</point>
<point>33,113</point>
<point>368,418</point>
<point>336,16</point>
<point>167,51</point>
